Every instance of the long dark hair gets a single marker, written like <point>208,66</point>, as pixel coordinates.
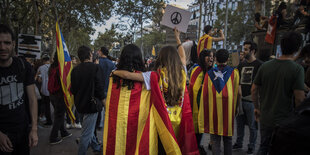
<point>129,60</point>
<point>202,63</point>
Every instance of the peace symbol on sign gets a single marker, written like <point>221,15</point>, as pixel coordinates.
<point>176,18</point>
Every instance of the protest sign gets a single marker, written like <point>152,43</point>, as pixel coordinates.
<point>176,17</point>
<point>29,45</point>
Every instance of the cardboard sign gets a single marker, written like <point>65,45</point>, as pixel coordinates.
<point>29,45</point>
<point>176,17</point>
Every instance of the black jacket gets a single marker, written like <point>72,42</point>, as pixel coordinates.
<point>82,77</point>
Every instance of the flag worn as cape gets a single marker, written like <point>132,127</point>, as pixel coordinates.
<point>129,127</point>
<point>271,31</point>
<point>218,101</point>
<point>65,68</point>
<point>186,142</point>
<point>204,42</point>
<point>195,83</point>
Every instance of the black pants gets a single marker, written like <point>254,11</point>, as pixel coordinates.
<point>19,141</point>
<point>47,108</point>
<point>59,116</point>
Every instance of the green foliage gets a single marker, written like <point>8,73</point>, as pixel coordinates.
<point>240,22</point>
<point>107,38</point>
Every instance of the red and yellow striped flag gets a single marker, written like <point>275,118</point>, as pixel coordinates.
<point>218,101</point>
<point>65,68</point>
<point>186,142</point>
<point>204,42</point>
<point>128,127</point>
<point>195,83</point>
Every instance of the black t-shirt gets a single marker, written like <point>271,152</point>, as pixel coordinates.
<point>13,80</point>
<point>247,73</point>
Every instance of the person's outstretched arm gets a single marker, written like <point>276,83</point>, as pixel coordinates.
<point>128,75</point>
<point>181,50</point>
<point>219,38</point>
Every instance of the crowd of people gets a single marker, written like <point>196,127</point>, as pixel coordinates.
<point>163,107</point>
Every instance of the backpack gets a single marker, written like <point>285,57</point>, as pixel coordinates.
<point>292,136</point>
<point>53,84</point>
<point>194,56</point>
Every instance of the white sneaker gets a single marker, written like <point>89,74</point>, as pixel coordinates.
<point>68,126</point>
<point>78,126</point>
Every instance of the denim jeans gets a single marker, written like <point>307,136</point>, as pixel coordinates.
<point>266,135</point>
<point>247,118</point>
<point>88,137</point>
<point>216,144</point>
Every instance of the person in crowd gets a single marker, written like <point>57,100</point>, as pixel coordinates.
<point>218,101</point>
<point>169,81</point>
<point>58,102</point>
<point>77,123</point>
<point>261,22</point>
<point>107,66</point>
<point>276,83</point>
<point>187,45</point>
<point>206,40</point>
<point>126,101</point>
<point>17,83</point>
<point>281,12</point>
<point>43,79</point>
<point>241,57</point>
<point>247,72</point>
<point>205,63</point>
<point>87,84</point>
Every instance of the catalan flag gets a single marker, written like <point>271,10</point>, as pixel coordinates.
<point>129,127</point>
<point>218,101</point>
<point>185,142</point>
<point>195,84</point>
<point>153,51</point>
<point>204,42</point>
<point>65,68</point>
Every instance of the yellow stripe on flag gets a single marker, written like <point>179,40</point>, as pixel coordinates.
<point>106,121</point>
<point>122,117</point>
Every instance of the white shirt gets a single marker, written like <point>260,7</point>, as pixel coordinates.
<point>43,70</point>
<point>188,49</point>
<point>147,78</point>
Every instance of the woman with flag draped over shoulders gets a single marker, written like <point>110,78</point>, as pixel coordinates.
<point>127,110</point>
<point>170,105</point>
<point>205,63</point>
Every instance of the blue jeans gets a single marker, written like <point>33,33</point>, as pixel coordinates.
<point>88,137</point>
<point>216,144</point>
<point>247,118</point>
<point>266,135</point>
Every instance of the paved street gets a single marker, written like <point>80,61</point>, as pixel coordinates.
<point>69,146</point>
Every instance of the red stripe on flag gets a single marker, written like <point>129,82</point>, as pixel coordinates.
<point>133,118</point>
<point>206,43</point>
<point>66,71</point>
<point>113,118</point>
<point>145,138</point>
<point>225,110</point>
<point>57,39</point>
<point>159,103</point>
<point>192,83</point>
<point>215,118</point>
<point>206,104</point>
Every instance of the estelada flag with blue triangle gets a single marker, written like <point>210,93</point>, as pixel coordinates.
<point>218,101</point>
<point>65,68</point>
